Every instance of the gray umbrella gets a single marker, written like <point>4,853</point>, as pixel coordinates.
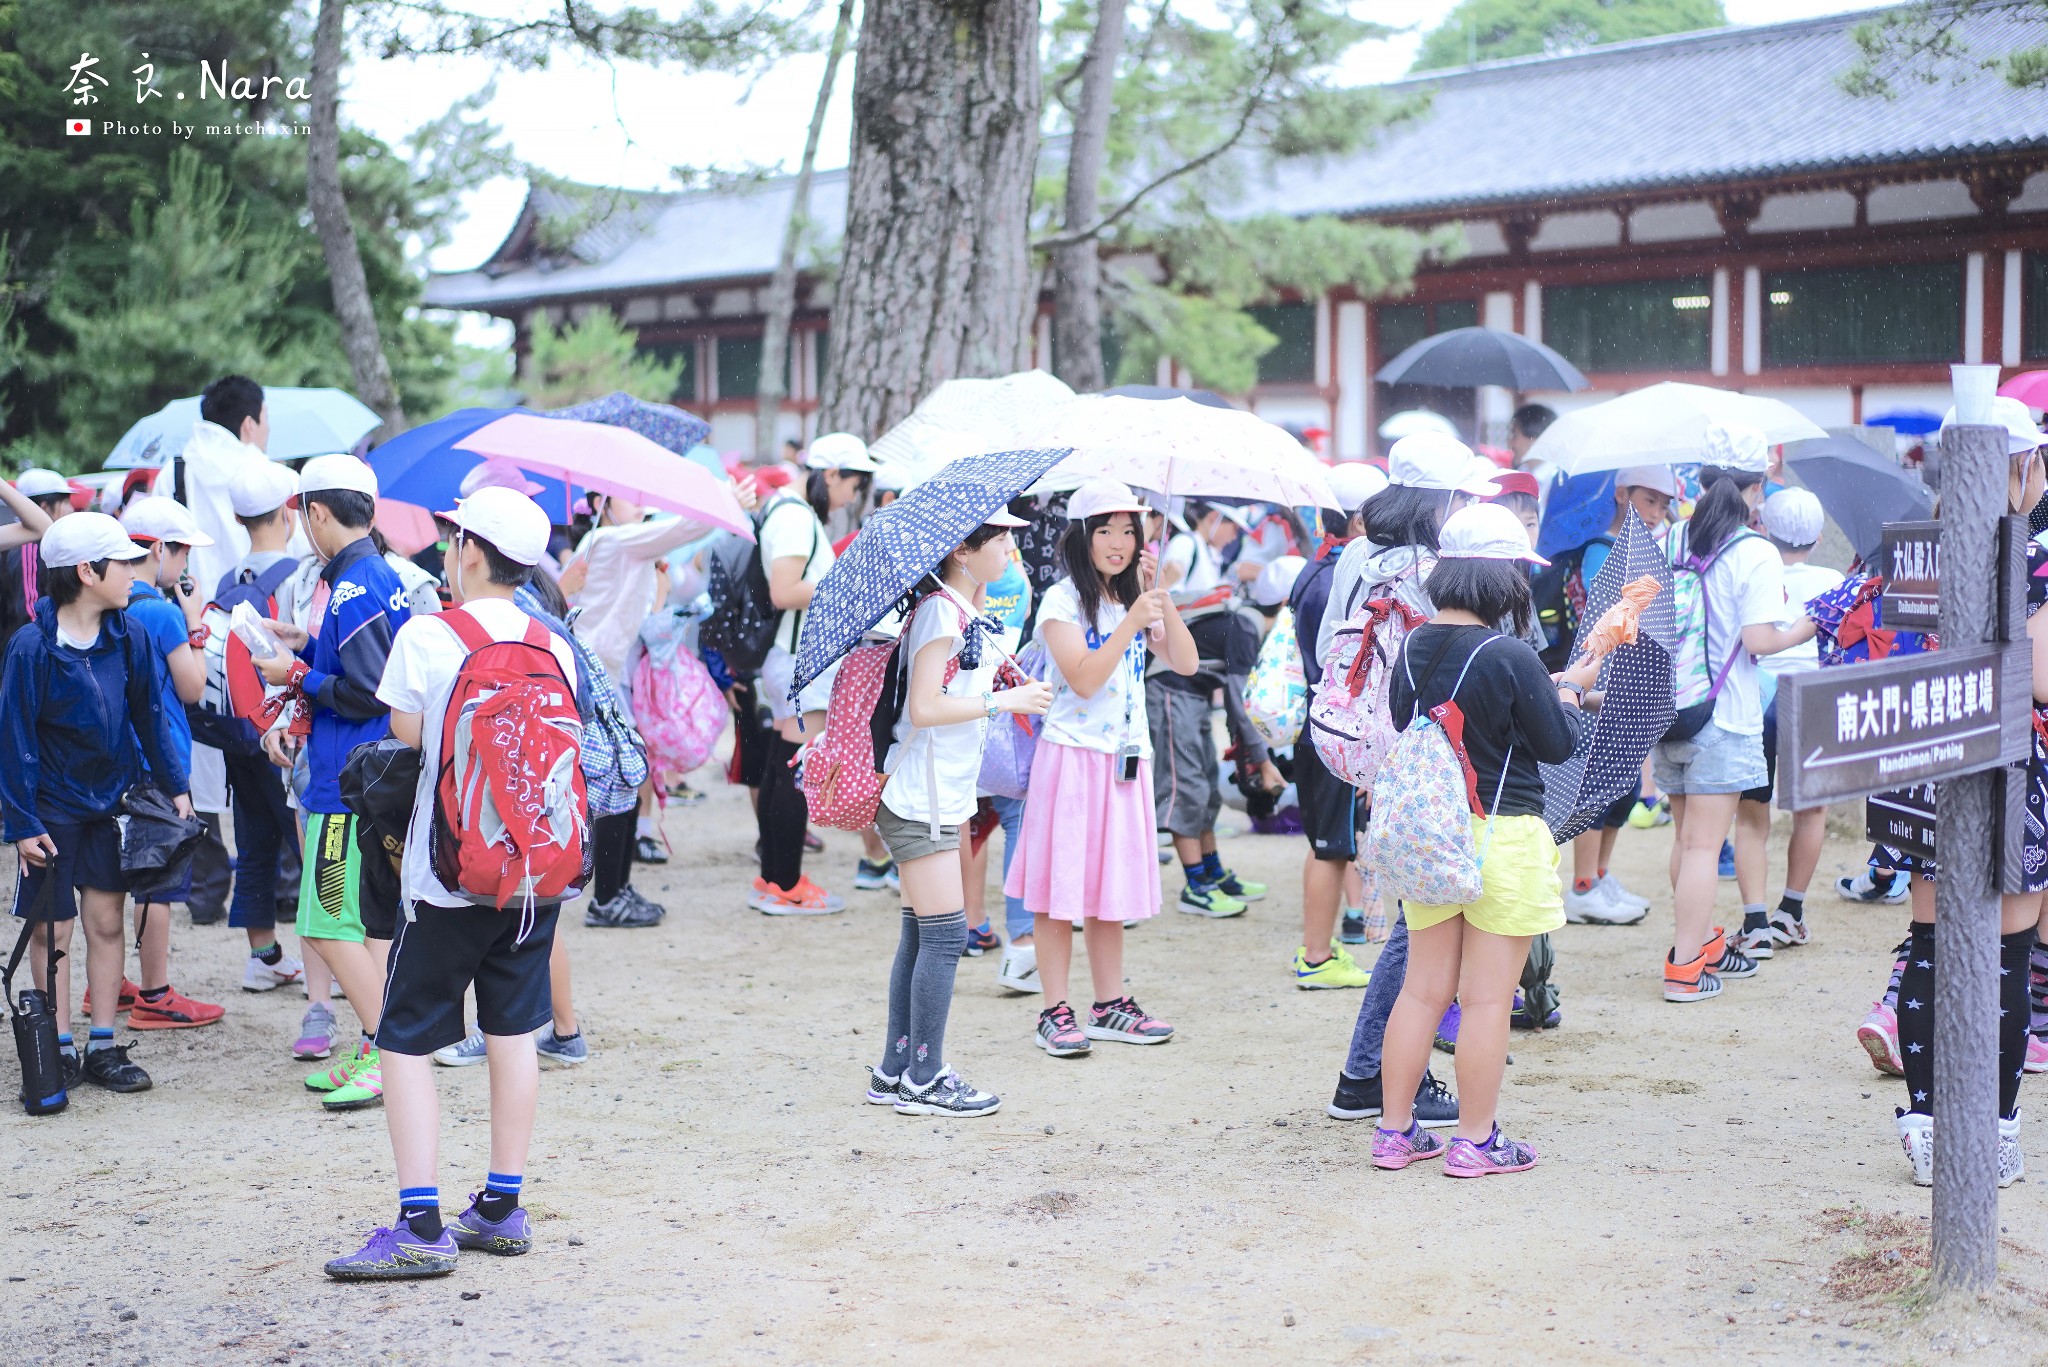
<point>1466,357</point>
<point>1859,488</point>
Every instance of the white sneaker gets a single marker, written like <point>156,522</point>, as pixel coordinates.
<point>1019,968</point>
<point>258,976</point>
<point>1593,907</point>
<point>1916,1136</point>
<point>2011,1166</point>
<point>1620,895</point>
<point>467,1054</point>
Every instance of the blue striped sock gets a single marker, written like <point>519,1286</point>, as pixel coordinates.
<point>1212,866</point>
<point>99,1037</point>
<point>506,1183</point>
<point>413,1198</point>
<point>64,1041</point>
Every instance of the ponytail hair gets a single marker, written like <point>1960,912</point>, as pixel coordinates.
<point>1722,510</point>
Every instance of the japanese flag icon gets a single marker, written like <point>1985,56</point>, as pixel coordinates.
<point>78,128</point>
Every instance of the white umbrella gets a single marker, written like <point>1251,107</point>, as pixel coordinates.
<point>1178,448</point>
<point>1412,420</point>
<point>966,418</point>
<point>1663,424</point>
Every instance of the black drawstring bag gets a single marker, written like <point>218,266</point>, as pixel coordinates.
<point>34,1016</point>
<point>157,844</point>
<point>378,783</point>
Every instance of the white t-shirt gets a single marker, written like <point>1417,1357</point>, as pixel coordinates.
<point>1745,588</point>
<point>954,752</point>
<point>1116,714</point>
<point>426,655</point>
<point>1200,567</point>
<point>790,530</point>
<point>1802,584</point>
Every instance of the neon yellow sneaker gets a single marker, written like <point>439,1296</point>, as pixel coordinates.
<point>1243,889</point>
<point>1646,815</point>
<point>364,1087</point>
<point>1339,970</point>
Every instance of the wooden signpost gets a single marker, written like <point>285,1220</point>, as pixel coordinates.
<point>1957,715</point>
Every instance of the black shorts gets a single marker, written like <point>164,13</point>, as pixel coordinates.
<point>438,955</point>
<point>1763,794</point>
<point>376,885</point>
<point>1329,806</point>
<point>88,856</point>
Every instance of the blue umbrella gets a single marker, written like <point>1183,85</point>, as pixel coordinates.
<point>661,423</point>
<point>1914,422</point>
<point>1580,508</point>
<point>424,467</point>
<point>303,422</point>
<point>1859,488</point>
<point>900,544</point>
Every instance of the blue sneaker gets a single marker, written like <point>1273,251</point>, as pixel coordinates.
<point>1520,1019</point>
<point>566,1052</point>
<point>1727,860</point>
<point>396,1254</point>
<point>508,1238</point>
<point>1447,1029</point>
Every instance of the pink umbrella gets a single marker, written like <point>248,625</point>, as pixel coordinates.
<point>407,526</point>
<point>611,460</point>
<point>2030,389</point>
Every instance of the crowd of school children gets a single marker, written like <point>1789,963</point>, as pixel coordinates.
<point>236,635</point>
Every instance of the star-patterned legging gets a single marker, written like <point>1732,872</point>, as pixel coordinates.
<point>1916,1017</point>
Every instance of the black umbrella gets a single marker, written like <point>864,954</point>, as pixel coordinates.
<point>1466,357</point>
<point>1859,488</point>
<point>1160,391</point>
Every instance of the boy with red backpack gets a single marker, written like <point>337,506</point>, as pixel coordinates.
<point>498,840</point>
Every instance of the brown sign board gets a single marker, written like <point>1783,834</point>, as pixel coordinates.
<point>1905,820</point>
<point>1860,729</point>
<point>1910,560</point>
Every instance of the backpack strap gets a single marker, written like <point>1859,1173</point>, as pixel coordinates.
<point>468,630</point>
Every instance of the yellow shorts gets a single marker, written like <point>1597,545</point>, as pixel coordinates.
<point>1521,895</point>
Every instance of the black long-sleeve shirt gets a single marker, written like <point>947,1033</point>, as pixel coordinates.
<point>1507,698</point>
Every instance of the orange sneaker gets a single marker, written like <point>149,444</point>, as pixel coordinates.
<point>129,992</point>
<point>172,1011</point>
<point>805,899</point>
<point>1689,982</point>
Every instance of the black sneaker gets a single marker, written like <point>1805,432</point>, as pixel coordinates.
<point>109,1067</point>
<point>74,1068</point>
<point>633,894</point>
<point>1358,1098</point>
<point>648,850</point>
<point>621,913</point>
<point>1435,1107</point>
<point>1734,964</point>
<point>1353,930</point>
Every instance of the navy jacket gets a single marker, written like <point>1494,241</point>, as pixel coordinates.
<point>1309,601</point>
<point>366,606</point>
<point>78,724</point>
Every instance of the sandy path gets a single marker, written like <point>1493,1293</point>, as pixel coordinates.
<point>710,1187</point>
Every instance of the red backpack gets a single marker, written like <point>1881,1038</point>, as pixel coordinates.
<point>511,821</point>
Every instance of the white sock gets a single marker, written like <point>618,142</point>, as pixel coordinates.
<point>648,828</point>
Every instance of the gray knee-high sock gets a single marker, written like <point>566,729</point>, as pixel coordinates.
<point>940,941</point>
<point>896,1046</point>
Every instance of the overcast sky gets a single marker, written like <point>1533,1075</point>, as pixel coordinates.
<point>629,127</point>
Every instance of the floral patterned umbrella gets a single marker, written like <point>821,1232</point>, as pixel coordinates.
<point>661,423</point>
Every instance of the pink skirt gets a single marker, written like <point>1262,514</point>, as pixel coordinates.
<point>1088,846</point>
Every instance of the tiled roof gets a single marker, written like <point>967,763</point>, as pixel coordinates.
<point>1727,104</point>
<point>1705,108</point>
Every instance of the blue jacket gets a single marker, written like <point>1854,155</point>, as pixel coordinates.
<point>72,749</point>
<point>366,606</point>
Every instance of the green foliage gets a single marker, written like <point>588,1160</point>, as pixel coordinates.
<point>1491,30</point>
<point>589,359</point>
<point>703,36</point>
<point>88,220</point>
<point>1921,43</point>
<point>1202,108</point>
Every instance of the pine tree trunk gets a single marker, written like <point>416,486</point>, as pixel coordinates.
<point>1077,266</point>
<point>936,280</point>
<point>782,289</point>
<point>337,232</point>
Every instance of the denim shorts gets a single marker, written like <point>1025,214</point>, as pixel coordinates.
<point>1713,761</point>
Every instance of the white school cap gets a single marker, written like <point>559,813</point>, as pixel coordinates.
<point>83,538</point>
<point>260,489</point>
<point>1793,516</point>
<point>1433,460</point>
<point>323,473</point>
<point>156,518</point>
<point>2009,413</point>
<point>1485,531</point>
<point>507,519</point>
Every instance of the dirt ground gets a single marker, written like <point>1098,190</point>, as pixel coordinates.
<point>710,1187</point>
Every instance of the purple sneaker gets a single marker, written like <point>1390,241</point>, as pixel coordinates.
<point>395,1255</point>
<point>508,1237</point>
<point>1497,1155</point>
<point>1447,1030</point>
<point>1395,1149</point>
